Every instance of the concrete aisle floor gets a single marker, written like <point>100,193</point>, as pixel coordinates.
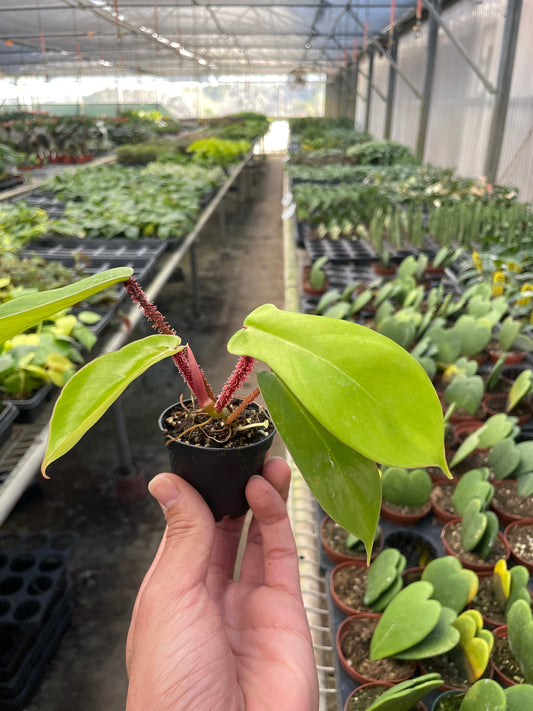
<point>117,540</point>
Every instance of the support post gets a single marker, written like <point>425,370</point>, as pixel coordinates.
<point>391,86</point>
<point>369,86</point>
<point>503,88</point>
<point>431,55</point>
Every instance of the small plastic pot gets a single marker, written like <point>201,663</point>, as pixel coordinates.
<point>338,557</point>
<point>220,475</point>
<point>523,523</point>
<point>386,685</point>
<point>358,565</point>
<point>343,631</point>
<point>466,563</point>
<point>497,672</point>
<point>404,519</point>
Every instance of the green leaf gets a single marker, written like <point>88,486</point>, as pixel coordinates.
<point>94,388</point>
<point>520,388</point>
<point>354,381</point>
<point>485,694</point>
<point>395,631</point>
<point>405,695</point>
<point>21,313</point>
<point>347,485</point>
<point>519,697</point>
<point>385,569</point>
<point>440,640</point>
<point>524,485</point>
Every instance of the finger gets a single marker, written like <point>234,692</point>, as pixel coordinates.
<point>229,532</point>
<point>279,554</point>
<point>278,473</point>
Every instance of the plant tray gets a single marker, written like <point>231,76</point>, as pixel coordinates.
<point>8,414</point>
<point>29,410</point>
<point>11,182</point>
<point>96,255</point>
<point>341,250</point>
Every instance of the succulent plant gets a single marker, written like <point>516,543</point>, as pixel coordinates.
<point>405,695</point>
<point>414,626</point>
<point>317,275</point>
<point>473,483</point>
<point>479,528</point>
<point>520,637</point>
<point>384,579</point>
<point>475,644</point>
<point>466,392</point>
<point>453,585</point>
<point>493,430</point>
<point>406,487</point>
<point>510,585</point>
<point>485,694</point>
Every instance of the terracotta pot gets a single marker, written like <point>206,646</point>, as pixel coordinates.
<point>505,517</point>
<point>338,557</point>
<point>497,404</point>
<point>339,602</point>
<point>306,284</point>
<point>343,631</point>
<point>382,270</point>
<point>220,475</point>
<point>523,523</point>
<point>500,676</point>
<point>467,563</point>
<point>513,358</point>
<point>442,514</point>
<point>461,430</point>
<point>404,519</point>
<point>386,685</point>
<point>463,416</point>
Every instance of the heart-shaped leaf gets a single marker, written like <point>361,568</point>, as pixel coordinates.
<point>386,568</point>
<point>365,408</point>
<point>495,428</point>
<point>520,637</point>
<point>466,391</point>
<point>467,447</point>
<point>525,466</point>
<point>519,697</point>
<point>475,643</point>
<point>485,694</point>
<point>524,485</point>
<point>520,388</point>
<point>501,583</point>
<point>474,524</point>
<point>453,585</point>
<point>405,695</point>
<point>490,534</point>
<point>442,638</point>
<point>473,483</point>
<point>80,404</point>
<point>407,487</point>
<point>346,484</point>
<point>24,312</point>
<point>518,590</point>
<point>504,458</point>
<point>395,631</point>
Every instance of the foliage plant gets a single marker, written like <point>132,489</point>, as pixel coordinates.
<point>384,579</point>
<point>407,487</point>
<point>510,585</point>
<point>453,585</point>
<point>406,695</point>
<point>337,394</point>
<point>489,695</point>
<point>520,637</point>
<point>218,151</point>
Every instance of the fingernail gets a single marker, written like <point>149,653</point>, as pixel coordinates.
<point>164,490</point>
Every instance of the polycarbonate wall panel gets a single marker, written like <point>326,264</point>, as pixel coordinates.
<point>379,105</point>
<point>406,109</point>
<point>516,160</point>
<point>461,106</point>
<point>360,104</point>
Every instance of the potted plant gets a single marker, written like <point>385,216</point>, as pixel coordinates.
<point>314,277</point>
<point>519,537</point>
<point>499,589</point>
<point>453,585</point>
<point>383,696</point>
<point>405,494</point>
<point>316,375</point>
<point>516,667</point>
<point>488,695</point>
<point>341,546</point>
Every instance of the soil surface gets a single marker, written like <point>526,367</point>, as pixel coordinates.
<point>507,499</point>
<point>237,272</point>
<point>453,538</point>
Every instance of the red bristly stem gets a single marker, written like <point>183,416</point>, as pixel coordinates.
<point>240,373</point>
<point>184,360</point>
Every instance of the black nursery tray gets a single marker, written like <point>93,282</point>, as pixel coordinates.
<point>97,255</point>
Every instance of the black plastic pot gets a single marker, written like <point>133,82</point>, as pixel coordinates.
<point>220,475</point>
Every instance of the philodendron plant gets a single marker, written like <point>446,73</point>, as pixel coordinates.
<point>337,393</point>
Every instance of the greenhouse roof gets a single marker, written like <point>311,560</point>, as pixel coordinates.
<point>188,39</point>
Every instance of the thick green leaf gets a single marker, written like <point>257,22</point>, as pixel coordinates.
<point>18,315</point>
<point>440,640</point>
<point>347,485</point>
<point>362,387</point>
<point>94,388</point>
<point>485,694</point>
<point>405,695</point>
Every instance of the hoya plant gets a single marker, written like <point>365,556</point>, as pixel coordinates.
<point>336,392</point>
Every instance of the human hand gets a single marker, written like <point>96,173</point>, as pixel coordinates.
<point>200,641</point>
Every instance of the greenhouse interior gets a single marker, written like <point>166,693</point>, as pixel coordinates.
<point>328,202</point>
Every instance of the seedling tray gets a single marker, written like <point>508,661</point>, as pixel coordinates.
<point>8,414</point>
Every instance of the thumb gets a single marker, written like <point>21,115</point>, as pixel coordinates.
<point>190,533</point>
